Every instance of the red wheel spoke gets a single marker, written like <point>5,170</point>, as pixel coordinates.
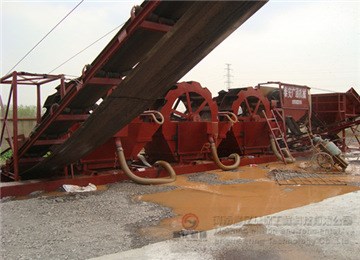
<point>188,103</point>
<point>176,104</point>
<point>257,107</point>
<point>201,107</point>
<point>248,106</point>
<point>173,111</point>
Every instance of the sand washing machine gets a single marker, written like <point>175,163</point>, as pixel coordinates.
<point>182,127</point>
<point>247,134</point>
<point>169,124</point>
<point>191,128</point>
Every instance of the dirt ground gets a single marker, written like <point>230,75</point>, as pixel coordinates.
<point>126,216</point>
<point>78,226</point>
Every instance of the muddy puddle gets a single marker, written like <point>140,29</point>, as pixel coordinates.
<point>214,199</point>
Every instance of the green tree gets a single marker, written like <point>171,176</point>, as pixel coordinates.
<point>23,111</point>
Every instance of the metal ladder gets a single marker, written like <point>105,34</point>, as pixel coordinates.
<point>284,151</point>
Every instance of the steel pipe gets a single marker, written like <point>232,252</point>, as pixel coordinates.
<point>123,164</point>
<point>153,114</point>
<point>230,116</point>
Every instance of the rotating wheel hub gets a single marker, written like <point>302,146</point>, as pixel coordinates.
<point>246,103</point>
<point>188,101</point>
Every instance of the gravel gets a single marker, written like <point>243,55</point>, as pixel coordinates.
<point>79,226</point>
<point>213,179</point>
<point>87,225</point>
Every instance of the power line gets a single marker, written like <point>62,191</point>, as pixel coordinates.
<point>324,89</point>
<point>87,47</point>
<point>228,75</point>
<point>45,37</point>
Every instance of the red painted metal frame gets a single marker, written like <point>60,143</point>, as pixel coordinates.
<point>5,127</point>
<point>133,137</point>
<point>247,135</point>
<point>15,79</point>
<point>23,188</point>
<point>115,45</point>
<point>155,26</point>
<point>69,93</point>
<point>88,78</point>
<point>60,156</point>
<point>73,89</point>
<point>192,135</point>
<point>177,46</point>
<point>15,128</point>
<point>336,107</point>
<point>254,114</point>
<point>187,138</point>
<point>337,112</point>
<point>294,99</point>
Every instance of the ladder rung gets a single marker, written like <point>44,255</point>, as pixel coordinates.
<point>279,138</point>
<point>283,149</point>
<point>276,128</point>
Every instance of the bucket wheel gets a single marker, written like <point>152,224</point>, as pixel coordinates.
<point>246,103</point>
<point>188,101</point>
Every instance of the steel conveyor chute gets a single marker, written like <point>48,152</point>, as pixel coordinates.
<point>157,46</point>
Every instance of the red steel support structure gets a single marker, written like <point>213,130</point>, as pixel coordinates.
<point>336,107</point>
<point>163,64</point>
<point>247,134</point>
<point>15,127</point>
<point>159,44</point>
<point>291,105</point>
<point>335,112</point>
<point>15,80</point>
<point>190,117</point>
<point>290,100</point>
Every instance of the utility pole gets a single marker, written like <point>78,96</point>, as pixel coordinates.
<point>228,75</point>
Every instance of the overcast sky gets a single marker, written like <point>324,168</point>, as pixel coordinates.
<point>313,43</point>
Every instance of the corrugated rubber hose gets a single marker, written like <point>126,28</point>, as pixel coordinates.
<point>288,159</point>
<point>216,159</point>
<point>141,180</point>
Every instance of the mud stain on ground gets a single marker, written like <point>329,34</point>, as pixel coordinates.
<point>203,206</point>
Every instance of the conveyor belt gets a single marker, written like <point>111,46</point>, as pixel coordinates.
<point>107,70</point>
<point>162,57</point>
